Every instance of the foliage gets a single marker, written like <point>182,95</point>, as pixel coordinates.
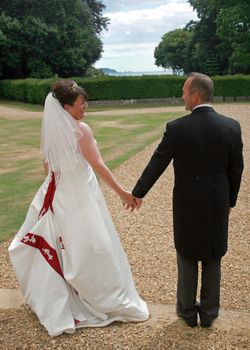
<point>171,51</point>
<point>94,72</point>
<point>232,86</point>
<point>99,22</point>
<point>233,27</point>
<point>40,39</point>
<point>118,88</point>
<point>101,88</point>
<point>121,88</point>
<point>219,43</point>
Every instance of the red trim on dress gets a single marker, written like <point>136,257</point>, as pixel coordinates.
<point>48,252</point>
<point>38,242</point>
<point>49,196</point>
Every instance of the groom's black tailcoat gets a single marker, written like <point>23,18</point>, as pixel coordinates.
<point>206,149</point>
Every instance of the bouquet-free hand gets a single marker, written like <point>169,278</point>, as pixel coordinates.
<point>130,202</point>
<point>138,202</point>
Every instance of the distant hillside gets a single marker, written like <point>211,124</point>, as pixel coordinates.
<point>108,71</point>
<point>115,73</point>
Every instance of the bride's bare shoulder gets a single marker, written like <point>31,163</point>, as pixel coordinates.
<point>85,128</point>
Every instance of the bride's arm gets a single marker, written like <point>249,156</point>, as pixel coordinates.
<point>92,154</point>
<point>46,168</point>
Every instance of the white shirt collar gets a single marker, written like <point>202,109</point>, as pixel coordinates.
<point>202,105</point>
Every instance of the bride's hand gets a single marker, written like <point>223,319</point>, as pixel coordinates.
<point>128,200</point>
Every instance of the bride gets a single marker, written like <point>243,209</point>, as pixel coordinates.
<point>67,256</point>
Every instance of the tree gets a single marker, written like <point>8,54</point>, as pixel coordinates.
<point>99,21</point>
<point>203,48</point>
<point>49,37</point>
<point>233,27</point>
<point>171,51</point>
<point>223,32</point>
<point>9,30</point>
<point>218,43</point>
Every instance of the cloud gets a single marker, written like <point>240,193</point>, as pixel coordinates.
<point>134,57</point>
<point>128,5</point>
<point>138,30</point>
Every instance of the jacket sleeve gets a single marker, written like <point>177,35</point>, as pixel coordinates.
<point>159,161</point>
<point>236,166</point>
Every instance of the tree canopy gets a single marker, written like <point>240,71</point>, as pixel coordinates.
<point>50,37</point>
<point>171,50</point>
<point>219,43</point>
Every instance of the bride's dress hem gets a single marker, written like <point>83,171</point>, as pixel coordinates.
<point>68,258</point>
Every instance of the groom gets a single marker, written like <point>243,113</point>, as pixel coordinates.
<point>206,149</point>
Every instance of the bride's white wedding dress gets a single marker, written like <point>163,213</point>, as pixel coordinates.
<point>68,259</point>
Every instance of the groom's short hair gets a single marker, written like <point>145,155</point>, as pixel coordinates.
<point>203,84</point>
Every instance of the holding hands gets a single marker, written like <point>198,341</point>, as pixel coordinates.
<point>130,202</point>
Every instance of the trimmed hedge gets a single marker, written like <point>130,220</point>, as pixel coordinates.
<point>122,88</point>
<point>232,85</point>
<point>117,88</point>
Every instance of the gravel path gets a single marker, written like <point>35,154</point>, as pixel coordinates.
<point>147,237</point>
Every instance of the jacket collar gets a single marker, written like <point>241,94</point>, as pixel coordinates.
<point>202,105</point>
<point>203,108</point>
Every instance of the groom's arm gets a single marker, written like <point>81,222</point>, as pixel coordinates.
<point>158,163</point>
<point>236,165</point>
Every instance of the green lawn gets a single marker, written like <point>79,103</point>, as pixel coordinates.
<point>21,173</point>
<point>22,105</point>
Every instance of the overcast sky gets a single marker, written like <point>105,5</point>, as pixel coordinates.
<point>136,28</point>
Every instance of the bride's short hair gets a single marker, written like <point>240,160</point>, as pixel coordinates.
<point>67,91</point>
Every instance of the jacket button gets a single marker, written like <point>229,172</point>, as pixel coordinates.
<point>197,178</point>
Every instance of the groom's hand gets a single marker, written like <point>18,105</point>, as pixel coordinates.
<point>129,201</point>
<point>138,202</point>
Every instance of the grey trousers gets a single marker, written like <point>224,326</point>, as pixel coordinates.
<point>187,305</point>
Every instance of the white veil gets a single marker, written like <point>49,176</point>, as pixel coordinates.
<point>60,135</point>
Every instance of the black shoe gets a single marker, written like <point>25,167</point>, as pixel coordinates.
<point>190,321</point>
<point>207,323</point>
